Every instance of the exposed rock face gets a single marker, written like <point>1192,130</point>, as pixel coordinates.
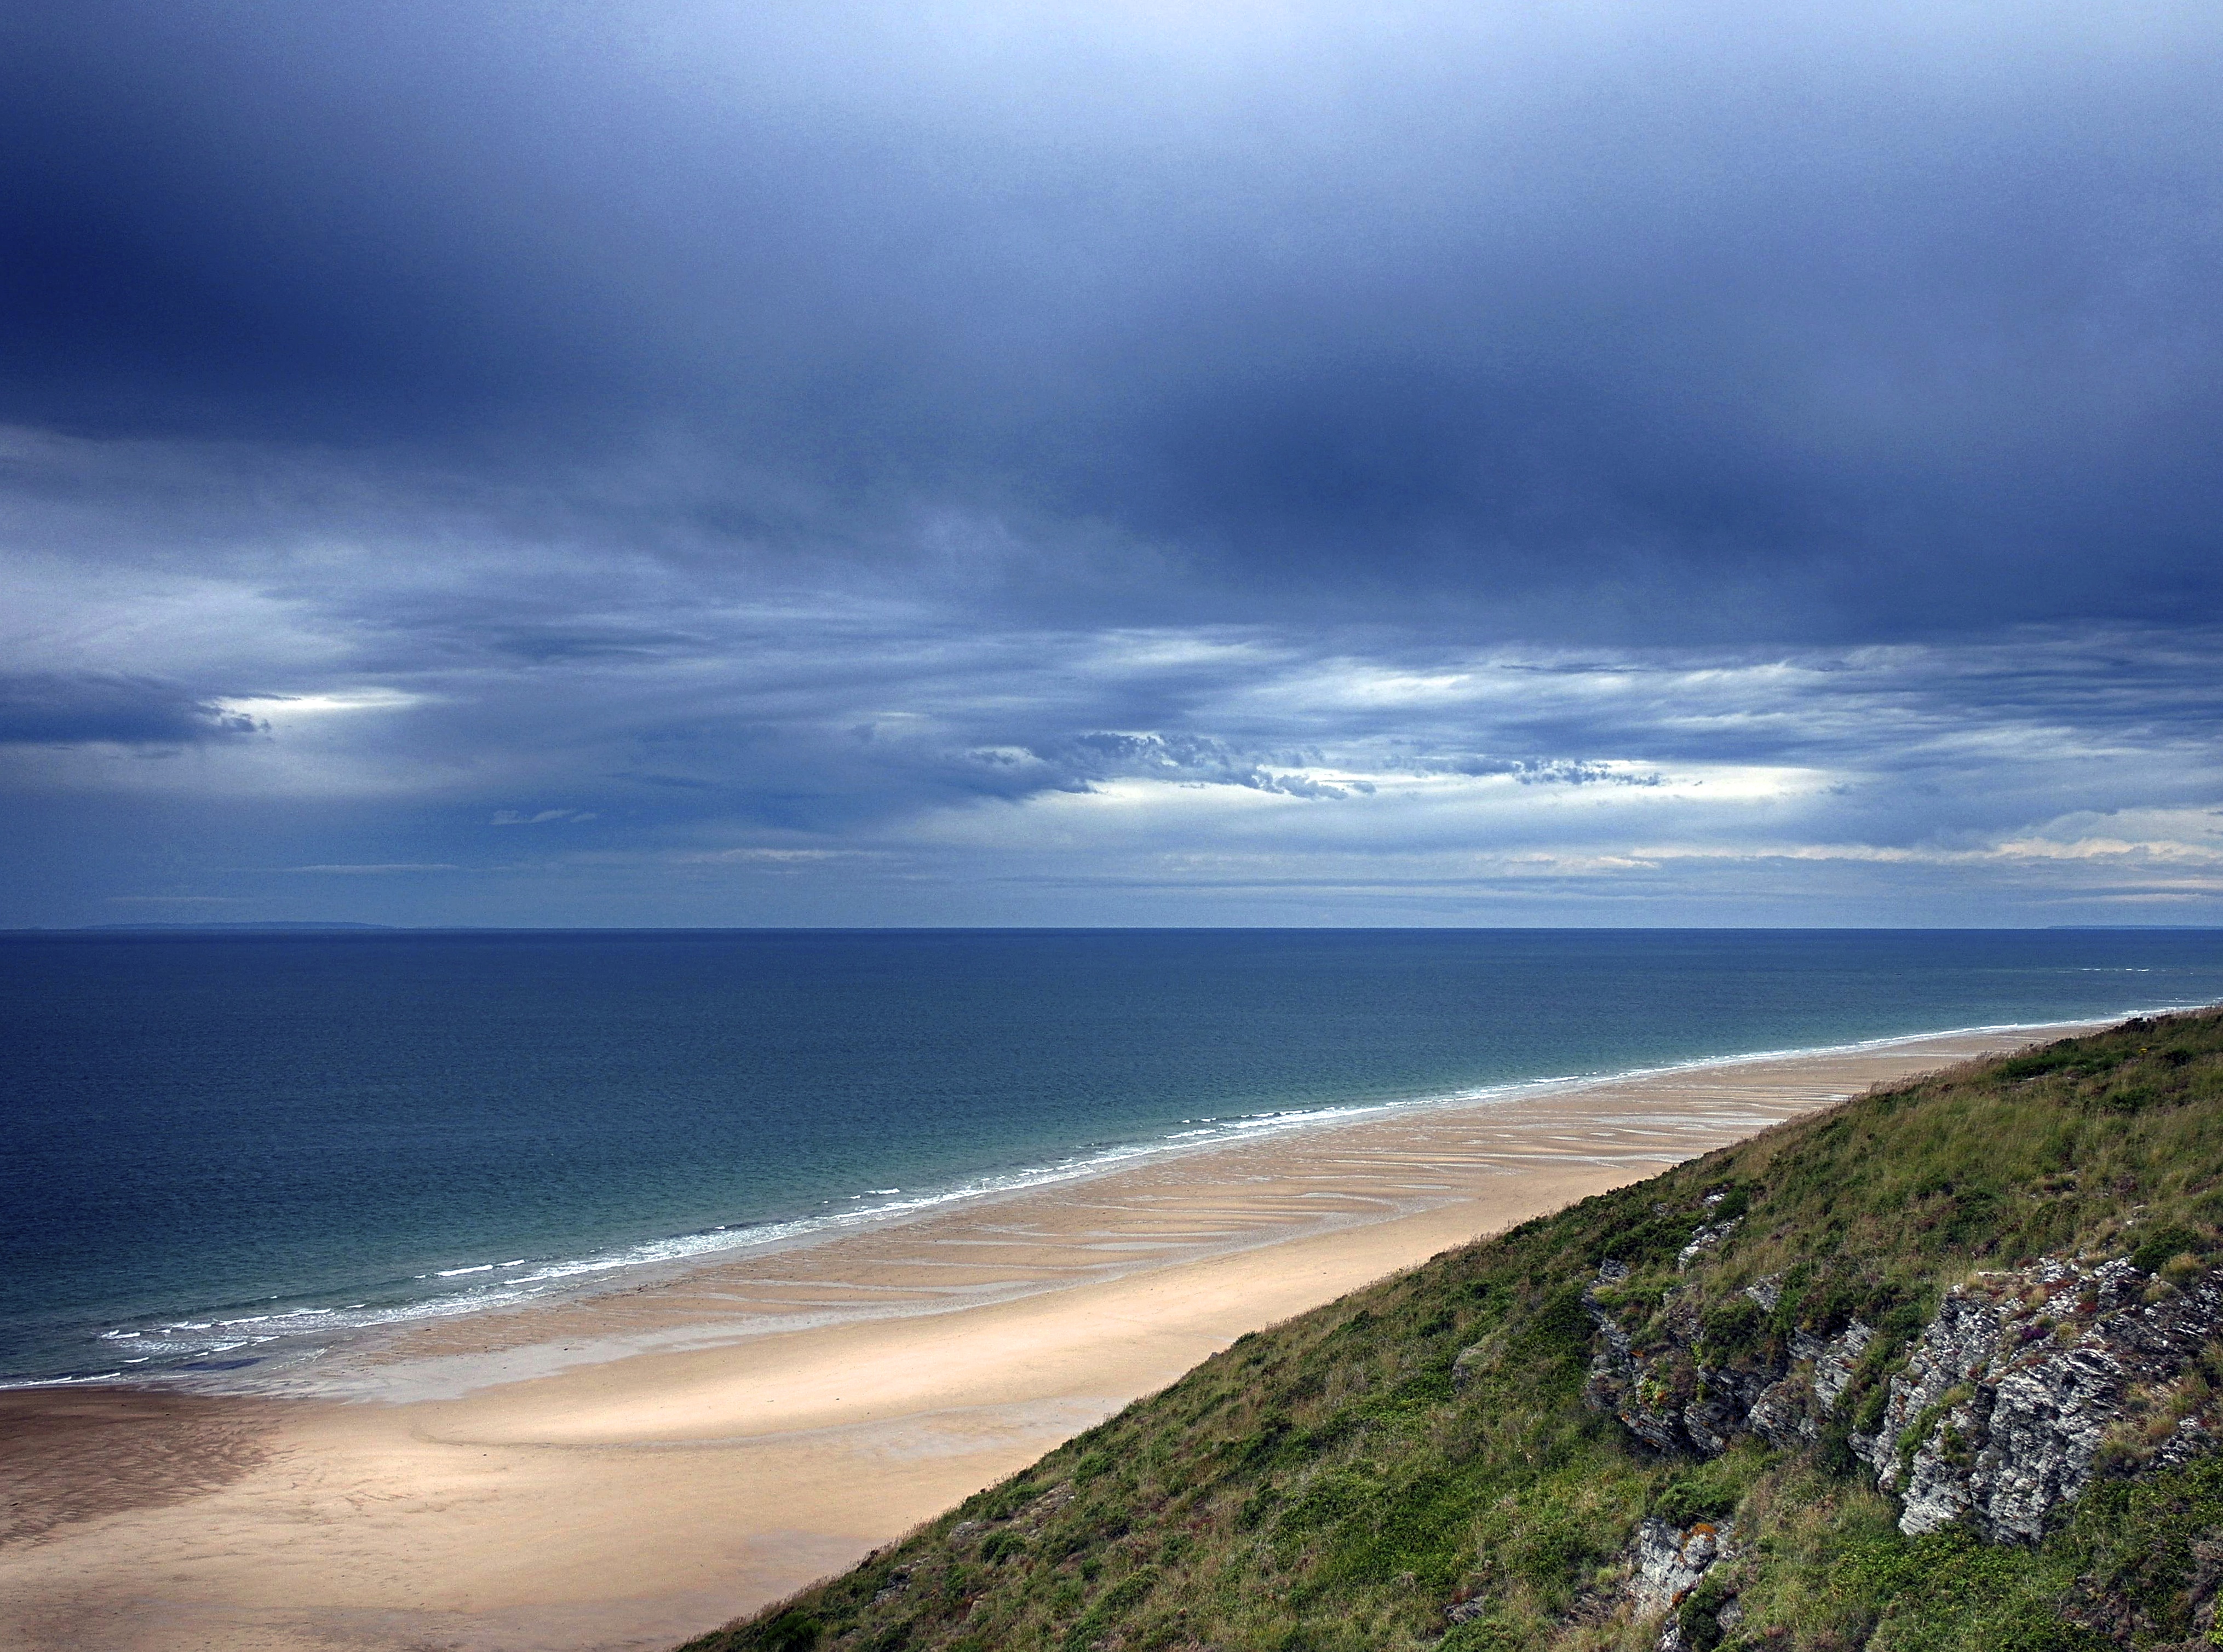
<point>1670,1563</point>
<point>2005,1403</point>
<point>1668,1397</point>
<point>1706,1239</point>
<point>2000,1415</point>
<point>1722,1408</point>
<point>2010,1390</point>
<point>1834,1361</point>
<point>1640,1390</point>
<point>1789,1411</point>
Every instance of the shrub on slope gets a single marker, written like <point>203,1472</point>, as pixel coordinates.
<point>1417,1464</point>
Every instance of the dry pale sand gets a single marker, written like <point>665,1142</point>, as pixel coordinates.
<point>627,1470</point>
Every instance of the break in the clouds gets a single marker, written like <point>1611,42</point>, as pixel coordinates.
<point>981,463</point>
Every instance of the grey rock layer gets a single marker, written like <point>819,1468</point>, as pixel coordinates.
<point>1999,1416</point>
<point>1669,1398</point>
<point>1705,1240</point>
<point>2013,1388</point>
<point>1637,1389</point>
<point>1670,1562</point>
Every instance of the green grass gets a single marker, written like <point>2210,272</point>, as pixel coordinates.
<point>1320,1487</point>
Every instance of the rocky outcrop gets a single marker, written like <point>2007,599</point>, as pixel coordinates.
<point>1638,1388</point>
<point>2012,1389</point>
<point>1670,1396</point>
<point>1705,1240</point>
<point>1789,1411</point>
<point>1721,1408</point>
<point>1834,1361</point>
<point>2000,1415</point>
<point>1669,1565</point>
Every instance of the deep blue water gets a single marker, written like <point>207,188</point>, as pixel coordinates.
<point>300,1133</point>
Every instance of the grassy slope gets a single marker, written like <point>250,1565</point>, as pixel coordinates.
<point>1320,1485</point>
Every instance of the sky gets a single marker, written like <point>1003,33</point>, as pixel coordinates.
<point>651,462</point>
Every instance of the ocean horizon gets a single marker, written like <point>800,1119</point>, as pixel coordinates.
<point>229,1150</point>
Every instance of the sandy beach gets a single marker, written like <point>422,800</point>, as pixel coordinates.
<point>624,1470</point>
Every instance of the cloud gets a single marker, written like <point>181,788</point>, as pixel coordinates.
<point>959,456</point>
<point>391,866</point>
<point>1540,771</point>
<point>111,709</point>
<point>1555,319</point>
<point>518,817</point>
<point>1074,762</point>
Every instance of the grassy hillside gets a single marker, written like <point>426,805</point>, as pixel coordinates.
<point>1332,1484</point>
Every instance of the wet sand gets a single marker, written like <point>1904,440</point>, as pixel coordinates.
<point>625,1470</point>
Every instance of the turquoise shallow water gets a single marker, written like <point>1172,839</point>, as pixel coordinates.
<point>223,1151</point>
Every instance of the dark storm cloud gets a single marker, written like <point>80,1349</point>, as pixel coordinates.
<point>52,709</point>
<point>874,450</point>
<point>1620,321</point>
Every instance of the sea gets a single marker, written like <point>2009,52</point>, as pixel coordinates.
<point>224,1154</point>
